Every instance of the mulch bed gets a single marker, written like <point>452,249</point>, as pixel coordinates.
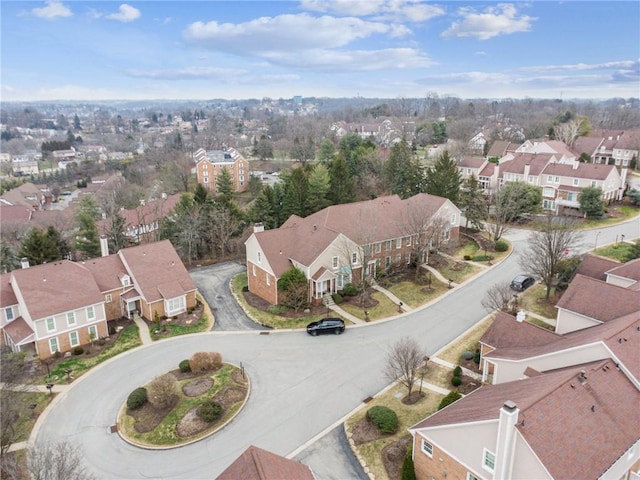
<point>393,457</point>
<point>149,417</point>
<point>365,431</point>
<point>197,387</point>
<point>413,398</point>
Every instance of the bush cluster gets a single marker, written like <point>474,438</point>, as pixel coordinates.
<point>137,398</point>
<point>468,257</point>
<point>449,399</point>
<point>276,309</point>
<point>209,411</point>
<point>457,371</point>
<point>501,246</point>
<point>184,366</point>
<point>162,390</point>
<point>384,418</point>
<point>78,351</point>
<point>476,357</point>
<point>205,361</point>
<point>337,298</point>
<point>456,381</point>
<point>408,470</point>
<point>350,290</point>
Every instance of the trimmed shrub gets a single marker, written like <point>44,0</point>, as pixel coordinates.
<point>162,390</point>
<point>449,399</point>
<point>456,381</point>
<point>78,351</point>
<point>276,309</point>
<point>112,330</point>
<point>184,366</point>
<point>468,257</point>
<point>408,471</point>
<point>350,290</point>
<point>210,411</point>
<point>467,355</point>
<point>384,418</point>
<point>457,371</point>
<point>337,298</point>
<point>476,357</point>
<point>137,398</point>
<point>205,361</point>
<point>501,246</point>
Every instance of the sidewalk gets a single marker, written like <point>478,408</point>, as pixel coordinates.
<point>143,330</point>
<point>393,298</point>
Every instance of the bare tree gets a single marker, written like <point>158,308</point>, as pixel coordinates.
<point>550,242</point>
<point>569,131</point>
<point>56,461</point>
<point>11,375</point>
<point>403,362</point>
<point>162,391</point>
<point>500,297</point>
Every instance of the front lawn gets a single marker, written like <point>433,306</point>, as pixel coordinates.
<point>127,339</point>
<point>416,295</point>
<point>617,251</point>
<point>384,307</point>
<point>534,300</point>
<point>617,214</point>
<point>453,352</point>
<point>27,416</point>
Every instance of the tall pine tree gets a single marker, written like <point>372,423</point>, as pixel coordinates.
<point>444,179</point>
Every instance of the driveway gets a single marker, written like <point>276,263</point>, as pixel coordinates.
<point>213,283</point>
<point>300,385</point>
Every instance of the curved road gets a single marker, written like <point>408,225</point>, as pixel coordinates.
<point>301,385</point>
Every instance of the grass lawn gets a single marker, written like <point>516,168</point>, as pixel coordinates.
<point>170,330</point>
<point>459,276</point>
<point>533,300</point>
<point>627,212</point>
<point>408,415</point>
<point>617,251</point>
<point>165,434</point>
<point>384,309</point>
<point>468,248</point>
<point>454,350</point>
<point>26,416</point>
<point>415,295</point>
<point>127,340</point>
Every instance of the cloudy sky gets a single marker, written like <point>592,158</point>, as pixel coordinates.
<point>104,50</point>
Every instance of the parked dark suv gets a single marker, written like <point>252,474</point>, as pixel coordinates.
<point>522,282</point>
<point>326,325</point>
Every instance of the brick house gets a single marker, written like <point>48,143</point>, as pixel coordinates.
<point>347,243</point>
<point>54,307</point>
<point>210,163</point>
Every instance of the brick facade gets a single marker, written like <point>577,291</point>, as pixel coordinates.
<point>437,465</point>
<point>64,343</point>
<point>207,173</point>
<point>258,283</point>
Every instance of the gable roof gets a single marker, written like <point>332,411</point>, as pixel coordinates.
<point>471,162</point>
<point>107,271</point>
<point>561,417</point>
<point>587,145</point>
<point>54,288</point>
<point>499,148</point>
<point>595,267</point>
<point>7,296</point>
<point>536,162</point>
<point>619,300</point>
<point>146,214</point>
<point>155,263</point>
<point>630,270</point>
<point>258,464</point>
<point>14,214</point>
<point>593,171</point>
<point>505,331</point>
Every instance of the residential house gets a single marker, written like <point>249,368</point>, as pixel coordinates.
<point>610,147</point>
<point>552,395</point>
<point>500,148</point>
<point>346,243</point>
<point>54,307</point>
<point>26,194</point>
<point>477,143</point>
<point>25,168</point>
<point>210,163</point>
<point>14,221</point>
<point>142,224</point>
<point>258,464</point>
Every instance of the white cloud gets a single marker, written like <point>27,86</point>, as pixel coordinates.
<point>285,33</point>
<point>54,9</point>
<point>502,19</point>
<point>186,73</point>
<point>625,64</point>
<point>126,13</point>
<point>397,10</point>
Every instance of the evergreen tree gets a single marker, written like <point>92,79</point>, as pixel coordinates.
<point>342,187</point>
<point>444,179</point>
<point>201,194</point>
<point>327,149</point>
<point>319,184</point>
<point>61,244</point>
<point>38,247</point>
<point>224,185</point>
<point>87,238</point>
<point>591,203</point>
<point>472,203</point>
<point>8,257</point>
<point>262,209</point>
<point>296,194</point>
<point>404,175</point>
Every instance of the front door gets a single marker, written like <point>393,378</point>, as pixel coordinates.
<point>131,308</point>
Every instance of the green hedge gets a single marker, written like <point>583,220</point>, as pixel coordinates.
<point>408,470</point>
<point>137,398</point>
<point>350,290</point>
<point>456,381</point>
<point>501,246</point>
<point>384,418</point>
<point>184,366</point>
<point>209,411</point>
<point>449,399</point>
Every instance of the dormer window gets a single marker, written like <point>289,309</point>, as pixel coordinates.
<point>126,281</point>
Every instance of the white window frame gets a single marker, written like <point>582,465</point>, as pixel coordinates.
<point>91,313</point>
<point>259,257</point>
<point>594,183</point>
<point>53,322</point>
<point>549,178</point>
<point>378,247</point>
<point>92,330</point>
<point>108,298</point>
<point>388,246</point>
<point>387,261</point>
<point>426,448</point>
<point>407,258</point>
<point>334,262</point>
<point>126,281</point>
<point>453,218</point>
<point>74,338</point>
<point>556,179</point>
<point>206,179</point>
<point>398,257</point>
<point>54,346</point>
<point>471,476</point>
<point>398,243</point>
<point>8,314</point>
<point>175,305</point>
<point>576,182</point>
<point>354,258</point>
<point>531,179</point>
<point>71,319</point>
<point>485,457</point>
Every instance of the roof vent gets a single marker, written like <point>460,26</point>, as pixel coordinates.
<point>315,227</point>
<point>521,316</point>
<point>582,377</point>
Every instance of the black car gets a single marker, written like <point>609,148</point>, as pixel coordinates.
<point>522,282</point>
<point>326,325</point>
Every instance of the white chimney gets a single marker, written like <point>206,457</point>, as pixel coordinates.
<point>104,246</point>
<point>24,262</point>
<point>575,165</point>
<point>258,227</point>
<point>506,440</point>
<point>527,170</point>
<point>164,196</point>
<point>521,316</point>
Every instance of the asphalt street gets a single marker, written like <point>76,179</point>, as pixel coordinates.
<point>300,385</point>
